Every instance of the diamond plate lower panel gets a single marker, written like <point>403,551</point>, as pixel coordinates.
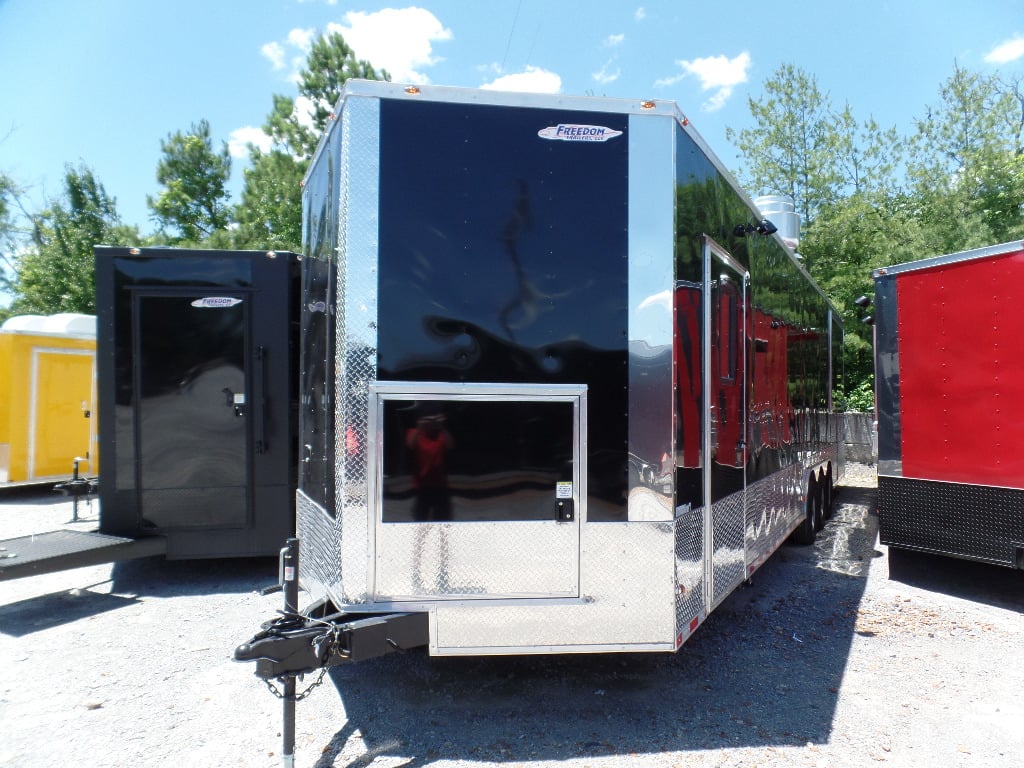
<point>627,588</point>
<point>971,521</point>
<point>319,534</point>
<point>773,505</point>
<point>728,564</point>
<point>431,560</point>
<point>689,563</point>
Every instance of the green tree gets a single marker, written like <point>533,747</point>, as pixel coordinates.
<point>270,213</point>
<point>56,273</point>
<point>193,201</point>
<point>7,248</point>
<point>296,125</point>
<point>792,147</point>
<point>966,169</point>
<point>7,196</point>
<point>872,198</point>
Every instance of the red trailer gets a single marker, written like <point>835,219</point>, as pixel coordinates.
<point>950,398</point>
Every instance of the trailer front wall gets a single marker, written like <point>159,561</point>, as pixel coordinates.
<point>469,252</point>
<point>197,377</point>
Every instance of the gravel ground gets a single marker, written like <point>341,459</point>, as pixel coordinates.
<point>841,654</point>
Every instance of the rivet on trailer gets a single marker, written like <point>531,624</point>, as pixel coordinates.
<point>562,386</point>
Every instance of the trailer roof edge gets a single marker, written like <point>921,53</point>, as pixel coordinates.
<point>950,258</point>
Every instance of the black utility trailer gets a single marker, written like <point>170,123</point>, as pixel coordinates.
<point>197,369</point>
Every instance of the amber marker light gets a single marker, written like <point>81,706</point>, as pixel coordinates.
<point>647,104</point>
<point>412,90</point>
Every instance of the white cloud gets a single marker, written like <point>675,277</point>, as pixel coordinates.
<point>716,73</point>
<point>240,139</point>
<point>531,80</point>
<point>274,53</point>
<point>605,75</point>
<point>398,40</point>
<point>640,14</point>
<point>1007,51</point>
<point>302,39</point>
<point>662,300</point>
<point>291,53</point>
<point>613,40</point>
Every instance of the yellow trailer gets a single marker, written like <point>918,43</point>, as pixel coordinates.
<point>47,397</point>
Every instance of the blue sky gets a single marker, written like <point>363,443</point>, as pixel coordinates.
<point>102,82</point>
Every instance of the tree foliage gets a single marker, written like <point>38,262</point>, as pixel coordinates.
<point>270,214</point>
<point>792,146</point>
<point>56,273</point>
<point>193,202</point>
<point>870,197</point>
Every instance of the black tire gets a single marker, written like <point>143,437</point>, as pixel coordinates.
<point>828,494</point>
<point>805,533</point>
<point>819,501</point>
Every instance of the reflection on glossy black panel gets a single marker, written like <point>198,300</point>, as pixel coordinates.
<point>316,384</point>
<point>469,460</point>
<point>192,411</point>
<point>184,270</point>
<point>786,329</point>
<point>503,259</point>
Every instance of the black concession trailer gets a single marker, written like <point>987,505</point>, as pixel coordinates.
<point>562,387</point>
<point>197,370</point>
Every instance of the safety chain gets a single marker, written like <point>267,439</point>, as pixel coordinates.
<point>330,638</point>
<point>298,696</point>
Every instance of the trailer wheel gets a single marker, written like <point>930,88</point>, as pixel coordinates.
<point>805,533</point>
<point>828,494</point>
<point>818,498</point>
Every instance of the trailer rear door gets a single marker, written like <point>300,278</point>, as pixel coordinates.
<point>476,490</point>
<point>193,467</point>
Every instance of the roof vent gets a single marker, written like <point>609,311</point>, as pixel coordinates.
<point>781,211</point>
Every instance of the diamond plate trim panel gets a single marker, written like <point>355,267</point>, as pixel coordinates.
<point>972,521</point>
<point>773,504</point>
<point>627,587</point>
<point>440,561</point>
<point>359,195</point>
<point>319,570</point>
<point>728,564</point>
<point>689,568</point>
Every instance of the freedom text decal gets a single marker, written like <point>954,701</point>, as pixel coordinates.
<point>572,132</point>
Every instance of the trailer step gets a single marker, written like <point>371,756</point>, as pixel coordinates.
<point>63,550</point>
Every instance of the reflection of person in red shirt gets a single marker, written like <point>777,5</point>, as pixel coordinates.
<point>430,444</point>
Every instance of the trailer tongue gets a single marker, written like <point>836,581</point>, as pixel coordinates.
<point>297,643</point>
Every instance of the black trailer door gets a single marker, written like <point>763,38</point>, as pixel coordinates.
<point>191,409</point>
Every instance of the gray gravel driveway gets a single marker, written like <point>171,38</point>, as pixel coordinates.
<point>841,654</point>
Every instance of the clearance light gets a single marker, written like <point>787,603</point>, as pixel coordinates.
<point>647,104</point>
<point>134,251</point>
<point>412,90</point>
